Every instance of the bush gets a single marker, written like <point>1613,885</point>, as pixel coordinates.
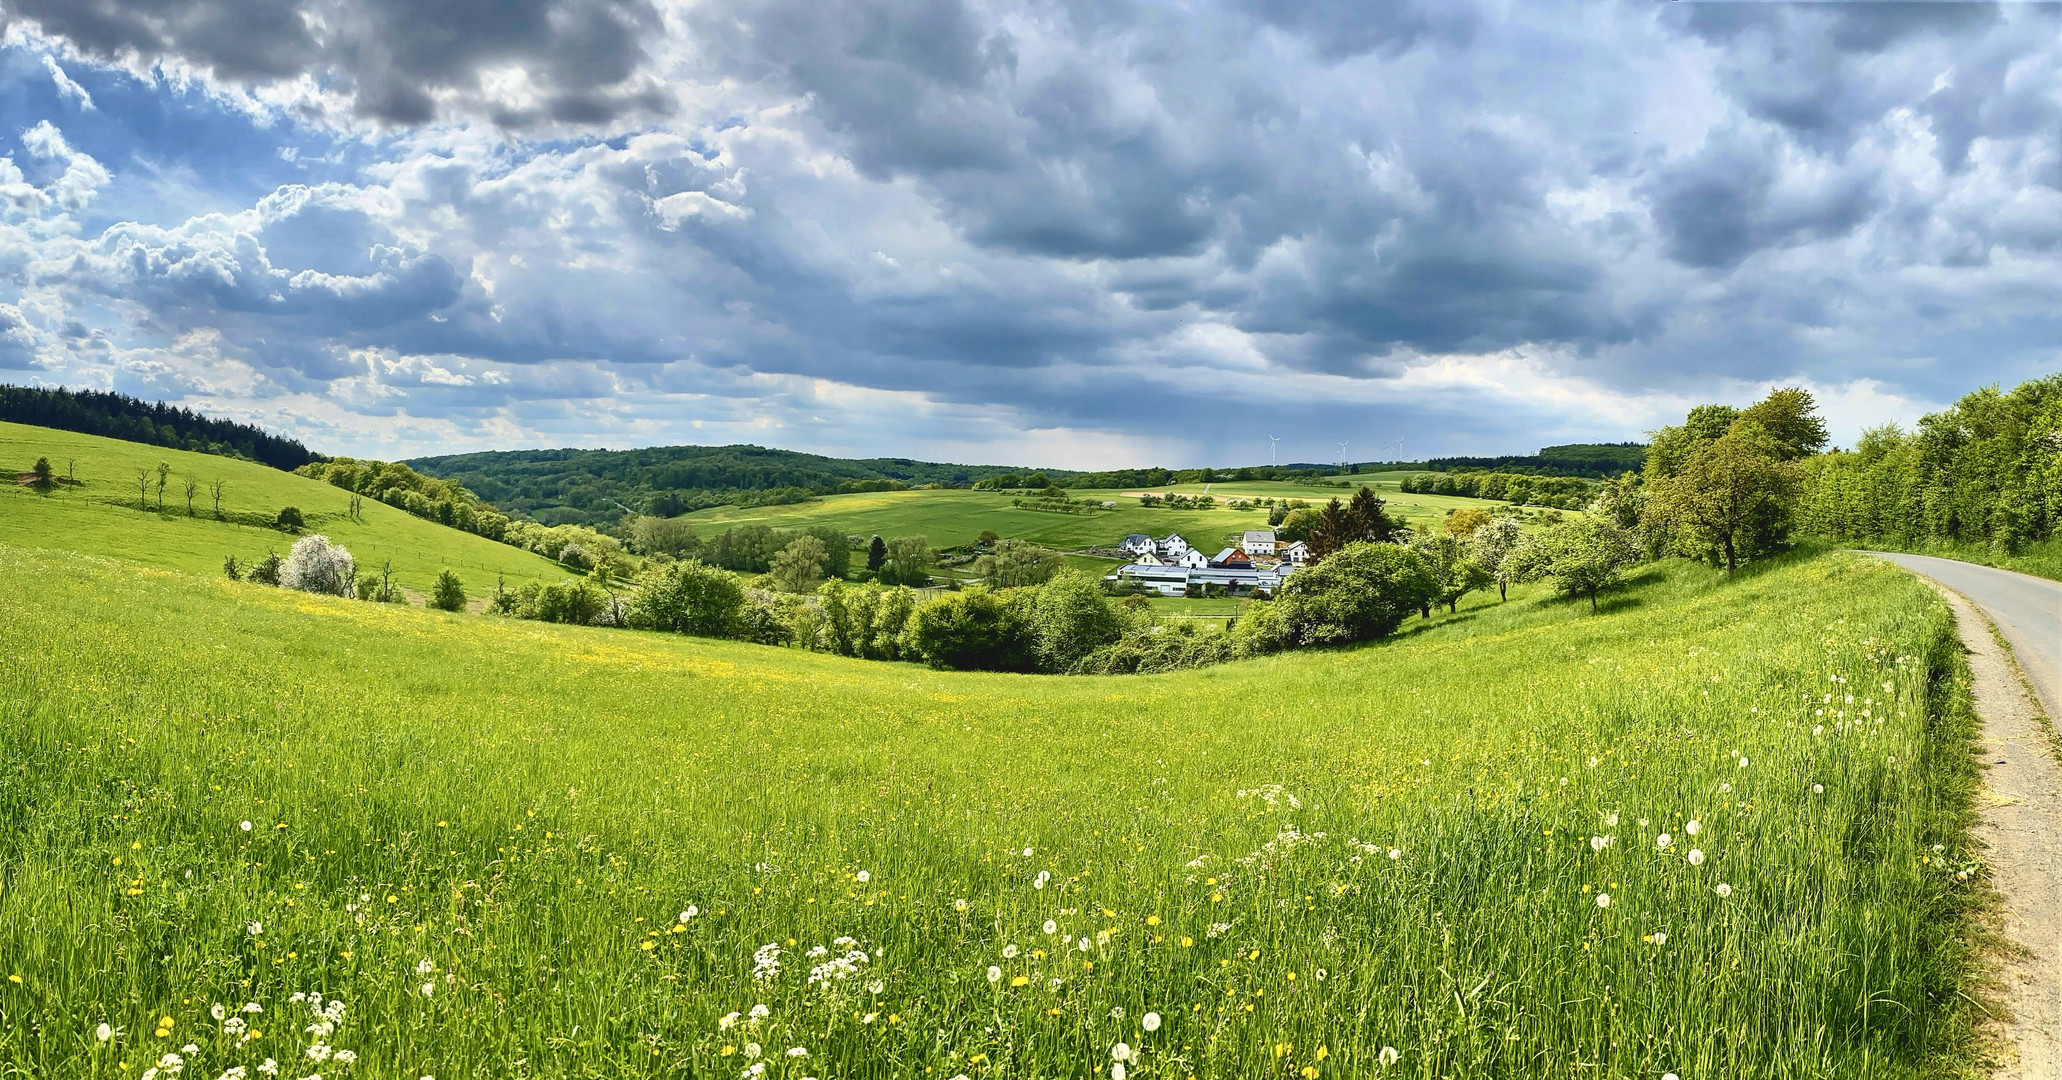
<point>575,556</point>
<point>318,566</point>
<point>43,475</point>
<point>232,568</point>
<point>689,597</point>
<point>266,572</point>
<point>448,594</point>
<point>290,519</point>
<point>1363,591</point>
<point>561,602</point>
<point>975,630</point>
<point>1070,618</point>
<point>764,620</point>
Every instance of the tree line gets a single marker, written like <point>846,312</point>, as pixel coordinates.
<point>1558,492</point>
<point>119,416</point>
<point>1986,473</point>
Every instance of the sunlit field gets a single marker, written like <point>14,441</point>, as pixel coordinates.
<point>1715,831</point>
<point>101,513</point>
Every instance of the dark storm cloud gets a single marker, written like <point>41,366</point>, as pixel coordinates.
<point>1289,215</point>
<point>398,55</point>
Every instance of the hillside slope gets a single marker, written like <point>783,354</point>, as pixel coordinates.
<point>100,514</point>
<point>1735,804</point>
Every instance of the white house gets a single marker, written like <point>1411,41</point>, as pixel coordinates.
<point>1259,542</point>
<point>1193,558</point>
<point>1173,546</point>
<point>1295,553</point>
<point>1146,559</point>
<point>1138,544</point>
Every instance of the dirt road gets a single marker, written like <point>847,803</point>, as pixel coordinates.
<point>2022,811</point>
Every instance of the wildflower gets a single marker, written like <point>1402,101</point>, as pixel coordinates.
<point>1596,843</point>
<point>1116,1012</point>
<point>425,966</point>
<point>876,986</point>
<point>1150,1021</point>
<point>1659,937</point>
<point>690,913</point>
<point>269,1068</point>
<point>103,1033</point>
<point>726,1022</point>
<point>1320,973</point>
<point>1611,820</point>
<point>959,905</point>
<point>798,1052</point>
<point>1725,789</point>
<point>1603,900</point>
<point>1009,952</point>
<point>1818,789</point>
<point>1387,1057</point>
<point>1051,927</point>
<point>218,1012</point>
<point>245,826</point>
<point>752,1051</point>
<point>1043,877</point>
<point>1693,827</point>
<point>318,1052</point>
<point>1120,1052</point>
<point>766,962</point>
<point>1663,840</point>
<point>1395,854</point>
<point>254,929</point>
<point>1743,763</point>
<point>428,989</point>
<point>1027,853</point>
<point>868,1018</point>
<point>345,1057</point>
<point>760,1012</point>
<point>1670,1076</point>
<point>1723,890</point>
<point>994,973</point>
<point>1696,857</point>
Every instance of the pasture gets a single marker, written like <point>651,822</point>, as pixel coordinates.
<point>101,514</point>
<point>1717,830</point>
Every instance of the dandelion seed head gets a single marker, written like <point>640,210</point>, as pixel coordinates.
<point>1696,857</point>
<point>1693,827</point>
<point>1603,900</point>
<point>1724,890</point>
<point>1387,1057</point>
<point>1051,927</point>
<point>1150,1021</point>
<point>994,973</point>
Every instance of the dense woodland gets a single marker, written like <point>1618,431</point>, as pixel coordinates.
<point>593,486</point>
<point>1986,471</point>
<point>119,416</point>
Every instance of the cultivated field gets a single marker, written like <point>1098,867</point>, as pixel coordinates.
<point>1714,831</point>
<point>101,514</point>
<point>954,517</point>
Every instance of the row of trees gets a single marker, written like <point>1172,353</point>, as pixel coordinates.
<point>119,416</point>
<point>447,502</point>
<point>1986,471</point>
<point>1558,492</point>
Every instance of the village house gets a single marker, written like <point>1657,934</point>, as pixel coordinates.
<point>1173,546</point>
<point>1295,553</point>
<point>1138,544</point>
<point>1259,542</point>
<point>1193,558</point>
<point>1232,559</point>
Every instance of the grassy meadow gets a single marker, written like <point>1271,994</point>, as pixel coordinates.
<point>952,517</point>
<point>1717,830</point>
<point>101,514</point>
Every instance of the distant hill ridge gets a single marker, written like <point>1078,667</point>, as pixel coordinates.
<point>119,416</point>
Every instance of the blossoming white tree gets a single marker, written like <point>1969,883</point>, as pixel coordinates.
<point>318,566</point>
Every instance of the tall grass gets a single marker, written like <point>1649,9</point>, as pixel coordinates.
<point>485,838</point>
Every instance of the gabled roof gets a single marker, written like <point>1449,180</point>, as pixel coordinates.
<point>1260,536</point>
<point>1228,554</point>
<point>1137,536</point>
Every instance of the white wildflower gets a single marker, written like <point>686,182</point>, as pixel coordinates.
<point>1696,857</point>
<point>1120,1052</point>
<point>863,877</point>
<point>690,913</point>
<point>1663,840</point>
<point>760,1012</point>
<point>103,1033</point>
<point>1693,827</point>
<point>1603,900</point>
<point>1150,1021</point>
<point>424,966</point>
<point>1723,889</point>
<point>798,1052</point>
<point>1009,952</point>
<point>752,1051</point>
<point>726,1022</point>
<point>428,989</point>
<point>245,826</point>
<point>254,929</point>
<point>1387,1057</point>
<point>994,973</point>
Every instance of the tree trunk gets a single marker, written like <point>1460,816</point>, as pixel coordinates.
<point>1503,591</point>
<point>1730,561</point>
<point>1593,601</point>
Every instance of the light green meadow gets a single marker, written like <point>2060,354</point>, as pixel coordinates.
<point>514,849</point>
<point>102,514</point>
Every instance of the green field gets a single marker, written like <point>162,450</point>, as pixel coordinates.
<point>483,836</point>
<point>101,514</point>
<point>953,517</point>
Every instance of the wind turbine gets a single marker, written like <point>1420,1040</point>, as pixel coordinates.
<point>1342,452</point>
<point>1271,440</point>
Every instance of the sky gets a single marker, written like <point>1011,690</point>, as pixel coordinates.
<point>1069,234</point>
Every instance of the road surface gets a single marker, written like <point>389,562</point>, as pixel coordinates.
<point>2022,802</point>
